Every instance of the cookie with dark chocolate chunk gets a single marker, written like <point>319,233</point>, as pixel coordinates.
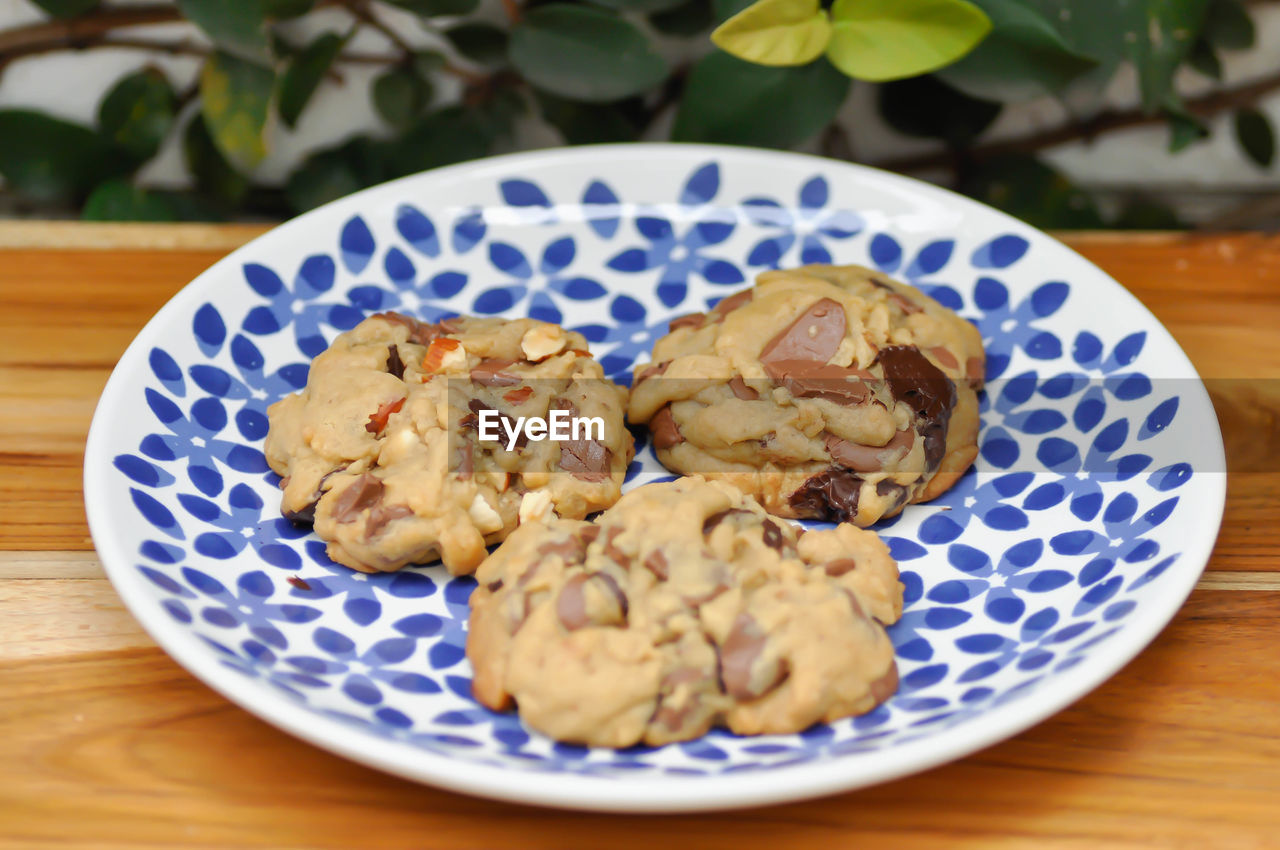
<point>828,392</point>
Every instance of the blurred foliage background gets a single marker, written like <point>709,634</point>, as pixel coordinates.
<point>458,79</point>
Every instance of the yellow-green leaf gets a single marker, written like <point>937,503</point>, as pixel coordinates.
<point>236,101</point>
<point>891,39</point>
<point>776,32</point>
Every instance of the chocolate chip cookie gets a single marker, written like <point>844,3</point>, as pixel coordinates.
<point>682,607</point>
<point>828,392</point>
<point>383,450</point>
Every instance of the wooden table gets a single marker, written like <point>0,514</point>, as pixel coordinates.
<point>105,742</point>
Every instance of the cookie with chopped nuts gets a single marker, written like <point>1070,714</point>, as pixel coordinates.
<point>684,606</point>
<point>382,451</point>
<point>828,392</point>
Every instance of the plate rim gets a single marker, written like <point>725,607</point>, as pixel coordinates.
<point>666,793</point>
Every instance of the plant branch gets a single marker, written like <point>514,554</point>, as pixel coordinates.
<point>1205,106</point>
<point>360,10</point>
<point>513,10</point>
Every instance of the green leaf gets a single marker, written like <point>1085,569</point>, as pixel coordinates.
<point>889,39</point>
<point>120,200</point>
<point>437,8</point>
<point>1184,128</point>
<point>66,8</point>
<point>638,5</point>
<point>483,44</point>
<point>1147,214</point>
<point>304,74</point>
<point>500,110</point>
<point>48,160</point>
<point>776,32</point>
<point>138,113</point>
<point>927,107</point>
<point>587,124</point>
<point>238,26</point>
<point>1204,59</point>
<point>1156,35</point>
<point>734,102</point>
<point>400,95</point>
<point>440,138</point>
<point>1255,136</point>
<point>1227,25</point>
<point>1028,189</point>
<point>214,176</point>
<point>687,19</point>
<point>584,53</point>
<point>1023,57</point>
<point>428,62</point>
<point>334,173</point>
<point>282,10</point>
<point>236,100</point>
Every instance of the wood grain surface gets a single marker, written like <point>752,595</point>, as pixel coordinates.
<point>106,743</point>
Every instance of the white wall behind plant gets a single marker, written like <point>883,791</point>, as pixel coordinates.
<point>1202,180</point>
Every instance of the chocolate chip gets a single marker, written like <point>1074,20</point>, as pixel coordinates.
<point>395,365</point>
<point>421,333</point>
<point>364,492</point>
<point>945,357</point>
<point>740,389</point>
<point>725,306</point>
<point>652,371</point>
<point>505,423</point>
<point>690,320</point>
<point>885,687</point>
<point>304,515</point>
<point>715,519</point>
<point>494,586</point>
<point>571,551</point>
<point>831,494</point>
<point>861,458</point>
<point>575,610</point>
<point>380,515</point>
<point>840,566</point>
<point>489,373</point>
<point>905,304</point>
<point>746,674</point>
<point>815,335</point>
<point>809,379</point>
<point>893,491</point>
<point>917,382</point>
<point>666,433</point>
<point>585,459</point>
<point>656,563</point>
<point>773,535</point>
<point>975,370</point>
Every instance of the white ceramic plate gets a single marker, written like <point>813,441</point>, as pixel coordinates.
<point>1088,517</point>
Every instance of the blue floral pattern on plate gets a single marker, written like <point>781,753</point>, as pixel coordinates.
<point>1012,578</point>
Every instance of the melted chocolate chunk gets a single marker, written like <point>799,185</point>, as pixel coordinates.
<point>666,433</point>
<point>917,382</point>
<point>893,491</point>
<point>861,458</point>
<point>773,535</point>
<point>814,335</point>
<point>945,357</point>
<point>740,389</point>
<point>715,519</point>
<point>395,365</point>
<point>489,373</point>
<point>472,422</point>
<point>905,304</point>
<point>494,586</point>
<point>572,607</point>
<point>725,306</point>
<point>571,551</point>
<point>365,492</point>
<point>690,320</point>
<point>656,563</point>
<point>809,379</point>
<point>746,674</point>
<point>380,515</point>
<point>585,459</point>
<point>652,370</point>
<point>421,333</point>
<point>831,494</point>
